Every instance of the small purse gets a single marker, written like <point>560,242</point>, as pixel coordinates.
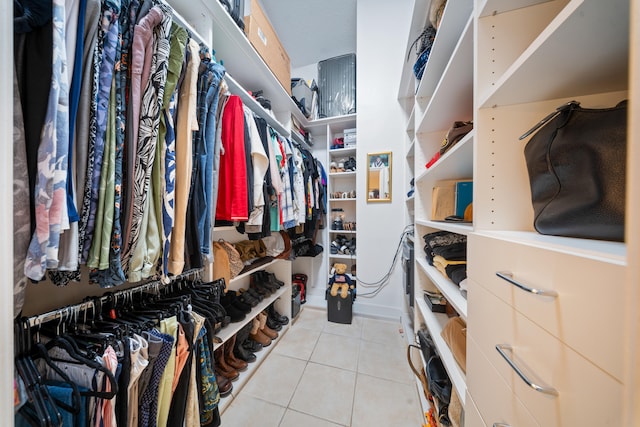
<point>457,131</point>
<point>426,39</point>
<point>235,262</point>
<point>576,162</point>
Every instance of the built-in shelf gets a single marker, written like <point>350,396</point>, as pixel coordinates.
<point>334,152</point>
<point>232,328</point>
<point>454,164</point>
<point>435,322</point>
<point>568,43</point>
<point>342,174</point>
<point>494,7</point>
<point>454,227</point>
<point>454,19</point>
<point>449,289</point>
<point>342,256</point>
<point>611,252</point>
<point>453,95</point>
<point>349,119</point>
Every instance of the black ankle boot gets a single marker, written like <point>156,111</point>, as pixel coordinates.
<point>273,314</point>
<point>239,350</point>
<point>271,278</point>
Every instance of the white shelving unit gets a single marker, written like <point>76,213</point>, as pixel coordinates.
<point>339,182</point>
<point>443,96</point>
<point>506,66</point>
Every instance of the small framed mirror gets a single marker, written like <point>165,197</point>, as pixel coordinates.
<point>379,177</point>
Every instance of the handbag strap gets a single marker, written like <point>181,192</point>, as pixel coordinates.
<point>421,374</point>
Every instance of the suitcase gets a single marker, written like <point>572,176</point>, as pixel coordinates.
<point>337,86</point>
<point>300,280</point>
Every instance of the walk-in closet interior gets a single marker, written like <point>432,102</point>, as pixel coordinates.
<point>320,213</point>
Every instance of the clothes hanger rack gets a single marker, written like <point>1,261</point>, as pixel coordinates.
<point>73,311</point>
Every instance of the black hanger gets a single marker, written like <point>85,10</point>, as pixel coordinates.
<point>41,407</point>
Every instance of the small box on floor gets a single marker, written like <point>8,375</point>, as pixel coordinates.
<point>339,309</point>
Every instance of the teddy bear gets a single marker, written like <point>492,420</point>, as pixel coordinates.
<point>340,282</point>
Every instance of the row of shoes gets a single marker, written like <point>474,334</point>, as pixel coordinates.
<point>234,355</point>
<point>343,246</point>
<point>343,165</point>
<point>238,304</point>
<point>343,194</point>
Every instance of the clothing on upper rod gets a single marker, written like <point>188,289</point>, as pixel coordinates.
<point>146,202</point>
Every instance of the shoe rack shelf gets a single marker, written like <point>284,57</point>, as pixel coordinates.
<point>338,182</point>
<point>232,328</point>
<point>280,298</point>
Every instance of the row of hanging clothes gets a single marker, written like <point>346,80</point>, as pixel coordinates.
<point>138,357</point>
<point>128,148</point>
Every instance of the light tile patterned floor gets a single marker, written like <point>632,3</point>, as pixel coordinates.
<point>324,374</point>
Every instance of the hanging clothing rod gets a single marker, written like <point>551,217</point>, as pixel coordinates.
<point>73,311</point>
<point>237,89</point>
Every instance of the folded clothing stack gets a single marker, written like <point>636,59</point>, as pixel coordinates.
<point>447,252</point>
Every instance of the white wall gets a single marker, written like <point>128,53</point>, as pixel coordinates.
<point>307,72</point>
<point>6,217</point>
<point>382,32</point>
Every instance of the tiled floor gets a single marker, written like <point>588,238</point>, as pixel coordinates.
<point>324,374</point>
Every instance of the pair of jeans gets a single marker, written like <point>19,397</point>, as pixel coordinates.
<point>208,90</point>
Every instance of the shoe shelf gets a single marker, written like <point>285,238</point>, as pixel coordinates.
<point>261,267</point>
<point>343,231</point>
<point>446,287</point>
<point>349,199</point>
<point>246,375</point>
<point>342,256</point>
<point>351,151</point>
<point>232,328</point>
<point>435,322</point>
<point>342,174</point>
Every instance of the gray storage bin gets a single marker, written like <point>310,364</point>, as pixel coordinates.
<point>337,86</point>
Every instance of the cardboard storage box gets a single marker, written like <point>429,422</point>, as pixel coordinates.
<point>265,40</point>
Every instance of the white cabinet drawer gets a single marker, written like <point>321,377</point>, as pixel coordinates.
<point>586,314</point>
<point>495,401</point>
<point>586,395</point>
<point>472,417</point>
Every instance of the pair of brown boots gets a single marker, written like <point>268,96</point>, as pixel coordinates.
<point>227,366</point>
<point>260,332</point>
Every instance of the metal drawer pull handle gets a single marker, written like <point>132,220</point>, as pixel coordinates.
<point>508,276</point>
<point>501,425</point>
<point>541,389</point>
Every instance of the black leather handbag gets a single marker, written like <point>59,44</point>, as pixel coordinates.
<point>576,163</point>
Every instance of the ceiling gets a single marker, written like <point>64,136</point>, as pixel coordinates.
<point>313,30</point>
